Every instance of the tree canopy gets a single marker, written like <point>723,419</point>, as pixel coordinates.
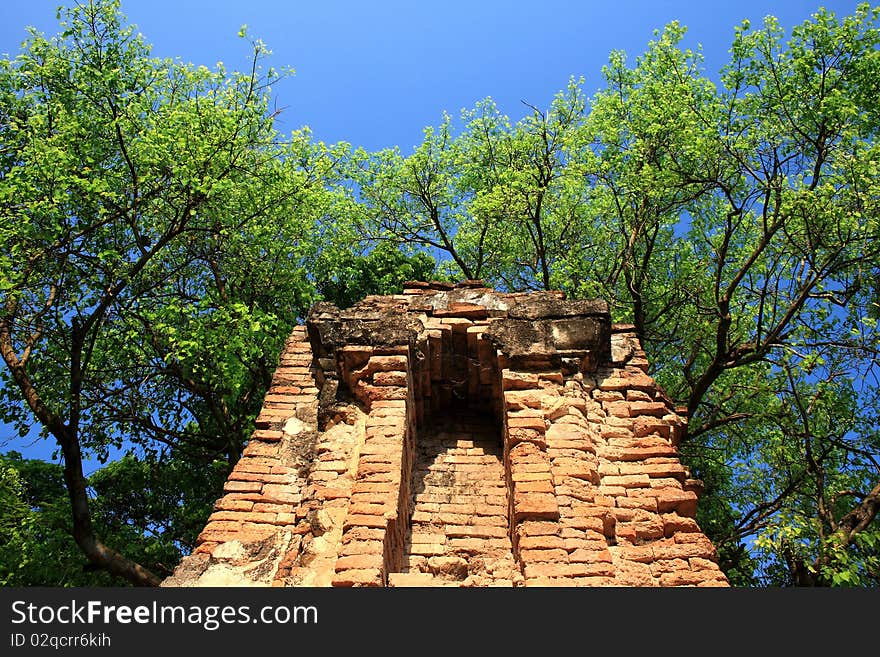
<point>153,248</point>
<point>159,238</point>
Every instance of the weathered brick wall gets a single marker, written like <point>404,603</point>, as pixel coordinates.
<point>256,524</point>
<point>599,495</point>
<point>455,436</point>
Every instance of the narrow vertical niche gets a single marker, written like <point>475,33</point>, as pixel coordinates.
<point>459,526</point>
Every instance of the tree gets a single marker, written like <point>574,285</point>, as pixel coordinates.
<point>150,222</point>
<point>775,353</point>
<point>499,201</point>
<point>347,278</point>
<point>736,225</point>
<point>151,219</point>
<point>148,509</point>
<point>35,548</point>
<point>746,248</point>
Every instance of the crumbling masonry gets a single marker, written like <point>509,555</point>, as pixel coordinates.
<point>458,436</point>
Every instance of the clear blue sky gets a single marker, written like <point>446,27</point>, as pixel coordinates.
<point>376,73</point>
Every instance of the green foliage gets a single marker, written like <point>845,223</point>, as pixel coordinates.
<point>35,549</point>
<point>12,501</point>
<point>39,549</point>
<point>383,270</point>
<point>116,193</point>
<point>159,505</point>
<point>152,227</point>
<point>496,200</point>
<point>149,509</point>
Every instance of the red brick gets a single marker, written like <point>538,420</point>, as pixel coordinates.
<point>280,494</point>
<point>537,528</point>
<point>490,510</point>
<point>552,555</point>
<point>646,426</point>
<point>259,518</point>
<point>378,393</point>
<point>267,435</point>
<point>243,486</point>
<point>685,550</point>
<point>250,465</point>
<point>247,476</point>
<point>566,570</point>
<point>367,577</point>
<point>682,578</point>
<point>561,511</point>
<point>617,409</point>
<point>519,399</point>
<point>259,448</point>
<point>361,533</point>
<point>373,521</point>
<point>657,409</point>
<point>365,468</point>
<point>658,470</point>
<point>478,544</point>
<point>518,380</point>
<point>611,432</point>
<point>394,378</point>
<point>540,542</point>
<point>389,407</point>
<point>372,487</point>
<point>518,435</point>
<point>535,505</point>
<point>368,509</point>
<point>535,486</point>
<point>285,390</point>
<point>328,493</point>
<point>639,553</point>
<point>627,481</point>
<point>641,453</point>
<point>421,537</point>
<point>582,471</point>
<point>225,504</point>
<point>428,549</point>
<point>582,555</point>
<point>584,522</point>
<point>681,501</point>
<point>263,507</point>
<point>627,381</point>
<point>362,561</point>
<point>582,445</point>
<point>541,473</point>
<point>387,363</point>
<point>463,309</point>
<point>527,452</point>
<point>475,531</point>
<point>536,423</point>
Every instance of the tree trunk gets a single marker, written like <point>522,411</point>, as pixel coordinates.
<point>97,553</point>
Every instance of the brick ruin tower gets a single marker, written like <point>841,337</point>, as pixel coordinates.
<point>457,436</point>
